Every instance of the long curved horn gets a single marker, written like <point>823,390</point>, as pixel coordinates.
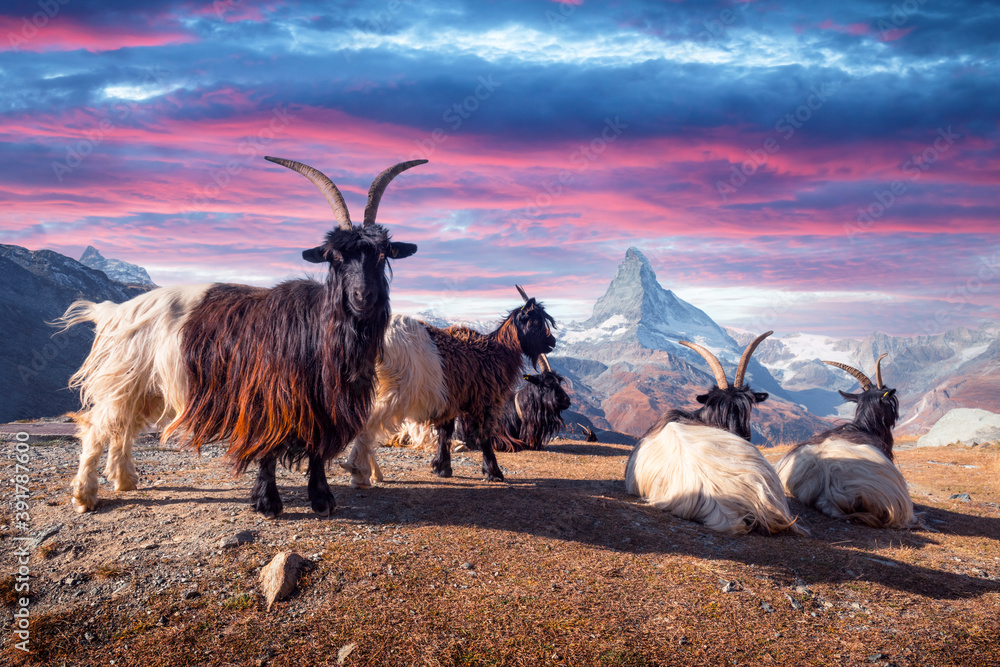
<point>866,384</point>
<point>379,185</point>
<point>741,370</point>
<point>713,363</point>
<point>524,295</point>
<point>325,185</point>
<point>878,371</point>
<point>546,367</point>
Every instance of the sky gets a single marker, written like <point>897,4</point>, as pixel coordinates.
<point>829,168</point>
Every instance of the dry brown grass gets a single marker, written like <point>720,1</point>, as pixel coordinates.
<point>109,571</point>
<point>8,595</point>
<point>565,569</point>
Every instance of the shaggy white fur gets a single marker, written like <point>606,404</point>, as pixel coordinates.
<point>410,384</point>
<point>848,481</point>
<point>133,377</point>
<point>711,476</point>
<point>416,435</point>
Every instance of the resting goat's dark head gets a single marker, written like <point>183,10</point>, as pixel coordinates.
<point>728,407</point>
<point>547,388</point>
<point>358,256</point>
<point>877,406</point>
<point>534,328</point>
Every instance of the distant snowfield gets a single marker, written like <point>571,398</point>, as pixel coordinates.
<point>614,326</point>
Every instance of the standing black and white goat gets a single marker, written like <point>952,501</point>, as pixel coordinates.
<point>435,375</point>
<point>286,372</point>
<point>701,466</point>
<point>847,472</point>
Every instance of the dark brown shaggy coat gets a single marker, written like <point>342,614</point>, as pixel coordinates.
<point>269,368</point>
<point>480,372</point>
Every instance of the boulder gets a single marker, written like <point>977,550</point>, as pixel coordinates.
<point>968,426</point>
<point>279,577</point>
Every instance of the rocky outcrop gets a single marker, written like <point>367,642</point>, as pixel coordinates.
<point>116,269</point>
<point>967,426</point>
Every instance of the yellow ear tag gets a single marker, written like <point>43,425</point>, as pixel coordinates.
<point>527,377</point>
<point>885,394</point>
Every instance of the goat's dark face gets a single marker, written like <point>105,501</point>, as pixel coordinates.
<point>358,260</point>
<point>877,409</point>
<point>534,331</point>
<point>729,409</point>
<point>549,386</point>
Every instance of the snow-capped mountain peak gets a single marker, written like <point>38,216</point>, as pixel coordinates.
<point>635,306</point>
<point>115,269</point>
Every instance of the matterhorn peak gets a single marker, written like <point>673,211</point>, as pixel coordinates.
<point>636,306</point>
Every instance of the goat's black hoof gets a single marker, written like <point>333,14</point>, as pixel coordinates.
<point>324,506</point>
<point>442,471</point>
<point>270,508</point>
<point>494,476</point>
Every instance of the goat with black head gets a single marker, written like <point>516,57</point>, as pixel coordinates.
<point>700,465</point>
<point>281,373</point>
<point>534,415</point>
<point>847,471</point>
<point>435,375</point>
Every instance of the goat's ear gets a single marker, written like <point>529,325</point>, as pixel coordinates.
<point>533,379</point>
<point>703,398</point>
<point>853,398</point>
<point>314,255</point>
<point>399,250</point>
<point>759,396</point>
<point>888,392</point>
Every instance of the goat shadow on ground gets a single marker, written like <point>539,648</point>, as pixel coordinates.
<point>593,449</point>
<point>955,523</point>
<point>566,510</point>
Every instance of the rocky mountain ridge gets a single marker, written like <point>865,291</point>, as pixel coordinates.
<point>116,269</point>
<point>36,287</point>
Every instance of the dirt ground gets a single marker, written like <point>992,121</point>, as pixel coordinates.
<point>556,566</point>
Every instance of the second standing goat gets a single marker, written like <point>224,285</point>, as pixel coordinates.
<point>437,375</point>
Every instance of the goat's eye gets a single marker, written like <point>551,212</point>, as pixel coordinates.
<point>381,257</point>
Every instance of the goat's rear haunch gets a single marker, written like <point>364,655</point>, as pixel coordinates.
<point>701,466</point>
<point>285,373</point>
<point>435,375</point>
<point>847,471</point>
